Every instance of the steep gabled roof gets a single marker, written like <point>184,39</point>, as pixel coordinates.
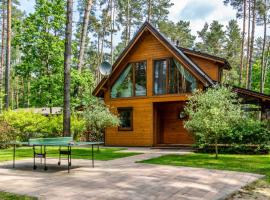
<point>192,67</point>
<point>224,63</point>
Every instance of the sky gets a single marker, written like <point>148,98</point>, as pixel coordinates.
<point>196,11</point>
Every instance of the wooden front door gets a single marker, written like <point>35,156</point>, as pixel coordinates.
<point>170,127</point>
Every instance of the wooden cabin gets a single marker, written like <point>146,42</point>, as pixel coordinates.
<point>149,86</point>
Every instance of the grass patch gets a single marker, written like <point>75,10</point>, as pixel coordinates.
<point>259,164</point>
<point>10,196</point>
<point>78,152</point>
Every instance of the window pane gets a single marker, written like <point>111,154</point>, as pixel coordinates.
<point>140,79</point>
<point>175,80</point>
<point>160,68</point>
<point>123,87</point>
<point>181,81</point>
<point>125,116</point>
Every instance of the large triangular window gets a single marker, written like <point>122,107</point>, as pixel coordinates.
<point>170,77</point>
<point>131,82</point>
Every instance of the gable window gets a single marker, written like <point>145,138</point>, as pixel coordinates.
<point>131,82</point>
<point>170,77</point>
<point>126,119</point>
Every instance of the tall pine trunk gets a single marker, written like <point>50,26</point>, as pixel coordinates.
<point>250,62</point>
<point>2,53</point>
<point>67,63</point>
<point>8,53</point>
<point>112,28</point>
<point>127,23</point>
<point>262,81</point>
<point>248,42</point>
<point>243,43</point>
<point>149,12</point>
<point>84,34</point>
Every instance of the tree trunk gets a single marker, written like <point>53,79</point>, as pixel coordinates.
<point>248,41</point>
<point>243,44</point>
<point>28,92</point>
<point>17,92</point>
<point>2,53</point>
<point>67,63</point>
<point>266,63</point>
<point>127,22</point>
<point>263,48</point>
<point>112,29</point>
<point>250,62</point>
<point>84,34</point>
<point>149,12</point>
<point>216,147</point>
<point>8,52</point>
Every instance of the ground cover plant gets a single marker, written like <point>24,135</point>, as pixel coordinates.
<point>10,196</point>
<point>77,153</point>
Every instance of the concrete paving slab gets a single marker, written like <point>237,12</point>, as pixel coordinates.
<point>120,179</point>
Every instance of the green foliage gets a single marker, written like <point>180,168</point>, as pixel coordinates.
<point>85,80</point>
<point>212,39</point>
<point>159,10</point>
<point>249,131</point>
<point>179,31</point>
<point>42,47</point>
<point>8,133</point>
<point>232,51</point>
<point>11,196</point>
<point>98,117</point>
<point>235,149</point>
<point>25,125</point>
<point>212,114</point>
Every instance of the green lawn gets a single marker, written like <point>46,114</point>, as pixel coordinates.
<point>84,153</point>
<point>259,164</point>
<point>9,196</point>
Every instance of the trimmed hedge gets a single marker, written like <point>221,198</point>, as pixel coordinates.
<point>234,149</point>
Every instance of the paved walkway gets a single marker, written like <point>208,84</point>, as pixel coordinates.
<point>121,179</point>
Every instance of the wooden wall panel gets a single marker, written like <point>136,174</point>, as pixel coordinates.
<point>142,133</point>
<point>209,67</point>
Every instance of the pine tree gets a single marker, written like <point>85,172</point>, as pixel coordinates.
<point>250,61</point>
<point>157,10</point>
<point>233,52</point>
<point>263,8</point>
<point>84,34</point>
<point>178,32</point>
<point>67,63</point>
<point>8,56</point>
<point>212,39</point>
<point>2,49</point>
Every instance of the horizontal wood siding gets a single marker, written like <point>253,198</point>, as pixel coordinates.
<point>142,133</point>
<point>209,67</point>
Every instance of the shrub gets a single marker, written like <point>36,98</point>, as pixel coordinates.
<point>234,149</point>
<point>27,124</point>
<point>8,133</point>
<point>248,131</point>
<point>98,117</point>
<point>212,114</point>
